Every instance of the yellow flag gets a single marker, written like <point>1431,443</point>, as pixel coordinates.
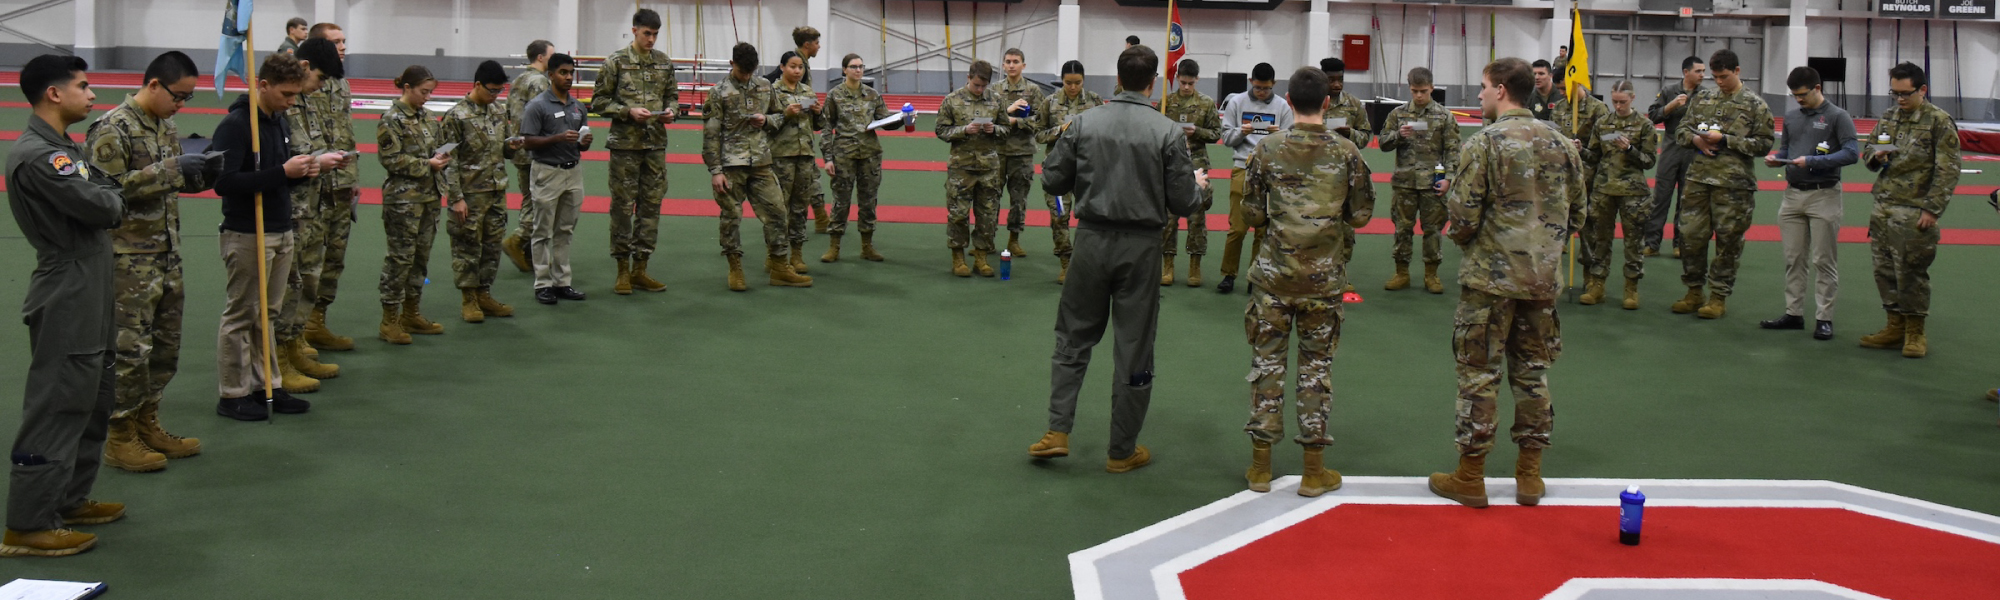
<point>1578,70</point>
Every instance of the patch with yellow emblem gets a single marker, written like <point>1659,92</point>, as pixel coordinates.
<point>63,164</point>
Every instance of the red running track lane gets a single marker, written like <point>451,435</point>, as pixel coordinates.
<point>934,215</point>
<point>1405,552</point>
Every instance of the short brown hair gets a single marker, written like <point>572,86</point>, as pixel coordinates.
<point>851,57</point>
<point>980,70</point>
<point>1513,74</point>
<point>319,31</point>
<point>1016,53</point>
<point>804,34</point>
<point>280,69</point>
<point>1307,91</point>
<point>295,23</point>
<point>1136,67</point>
<point>1420,76</point>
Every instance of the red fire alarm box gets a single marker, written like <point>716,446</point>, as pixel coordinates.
<point>1354,51</point>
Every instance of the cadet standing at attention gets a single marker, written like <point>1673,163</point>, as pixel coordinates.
<point>1057,110</point>
<point>298,361</point>
<point>792,155</point>
<point>853,155</point>
<point>63,206</point>
<point>551,128</point>
<point>1196,114</point>
<point>1518,196</point>
<point>476,186</point>
<point>637,90</point>
<point>138,146</point>
<point>526,87</point>
<point>335,103</point>
<point>1424,137</point>
<point>1619,195</point>
<point>1301,182</point>
<point>971,121</point>
<point>739,117</point>
<point>1129,167</point>
<point>1918,179</point>
<point>1017,148</point>
<point>1349,120</point>
<point>1730,128</point>
<point>409,152</point>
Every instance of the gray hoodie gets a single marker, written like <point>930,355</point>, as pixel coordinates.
<point>1241,106</point>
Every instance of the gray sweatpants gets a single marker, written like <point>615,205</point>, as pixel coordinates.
<point>1668,186</point>
<point>1114,275</point>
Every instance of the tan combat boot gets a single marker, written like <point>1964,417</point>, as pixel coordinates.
<point>798,259</point>
<point>1631,294</point>
<point>48,542</point>
<point>736,274</point>
<point>1063,275</point>
<point>782,274</point>
<point>1528,487</point>
<point>1166,270</point>
<point>832,249</point>
<point>1593,291</point>
<point>308,365</point>
<point>1715,307</point>
<point>320,337</point>
<point>868,252</point>
<point>1316,479</point>
<point>1688,303</point>
<point>1014,244</point>
<point>147,423</point>
<point>1465,486</point>
<point>1259,474</point>
<point>1194,270</point>
<point>1054,444</point>
<point>413,317</point>
<point>958,263</point>
<point>643,280</point>
<point>622,285</point>
<point>1914,344</point>
<point>1140,457</point>
<point>468,307</point>
<point>123,450</point>
<point>289,376</point>
<point>1890,337</point>
<point>92,512</point>
<point>1431,282</point>
<point>517,252</point>
<point>491,307</point>
<point>1401,280</point>
<point>392,325</point>
<point>822,221</point>
<point>979,264</point>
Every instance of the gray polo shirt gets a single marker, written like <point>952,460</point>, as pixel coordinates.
<point>1806,129</point>
<point>549,115</point>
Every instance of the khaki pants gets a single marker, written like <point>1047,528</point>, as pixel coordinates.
<point>1232,244</point>
<point>558,198</point>
<point>1809,223</point>
<point>239,351</point>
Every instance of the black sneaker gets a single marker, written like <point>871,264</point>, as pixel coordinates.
<point>568,293</point>
<point>288,404</point>
<point>1227,284</point>
<point>1823,331</point>
<point>1784,322</point>
<point>545,296</point>
<point>243,408</point>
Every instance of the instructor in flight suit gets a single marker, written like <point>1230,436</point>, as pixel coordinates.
<point>1128,168</point>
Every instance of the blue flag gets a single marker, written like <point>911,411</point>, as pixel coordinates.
<point>235,36</point>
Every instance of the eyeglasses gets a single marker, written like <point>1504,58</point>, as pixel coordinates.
<point>1801,95</point>
<point>1902,94</point>
<point>855,66</point>
<point>493,89</point>
<point>180,98</point>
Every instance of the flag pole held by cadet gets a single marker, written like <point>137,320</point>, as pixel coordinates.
<point>256,157</point>
<point>1167,66</point>
<point>1576,73</point>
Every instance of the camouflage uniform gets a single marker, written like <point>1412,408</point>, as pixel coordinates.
<point>1583,129</point>
<point>1348,107</point>
<point>630,79</point>
<point>308,133</point>
<point>407,138</point>
<point>137,151</point>
<point>1017,148</point>
<point>334,105</point>
<point>1919,177</point>
<point>853,150</point>
<point>1200,111</point>
<point>1619,195</point>
<point>1722,188</point>
<point>1512,203</point>
<point>1056,110</point>
<point>1300,182</point>
<point>477,175</point>
<point>1417,158</point>
<point>732,147</point>
<point>529,84</point>
<point>972,181</point>
<point>792,156</point>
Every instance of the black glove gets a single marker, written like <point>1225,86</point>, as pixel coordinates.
<point>193,166</point>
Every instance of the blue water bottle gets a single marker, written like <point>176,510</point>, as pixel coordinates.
<point>1006,264</point>
<point>1631,513</point>
<point>909,118</point>
<point>1437,175</point>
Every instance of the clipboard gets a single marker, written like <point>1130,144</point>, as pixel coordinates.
<point>40,589</point>
<point>195,144</point>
